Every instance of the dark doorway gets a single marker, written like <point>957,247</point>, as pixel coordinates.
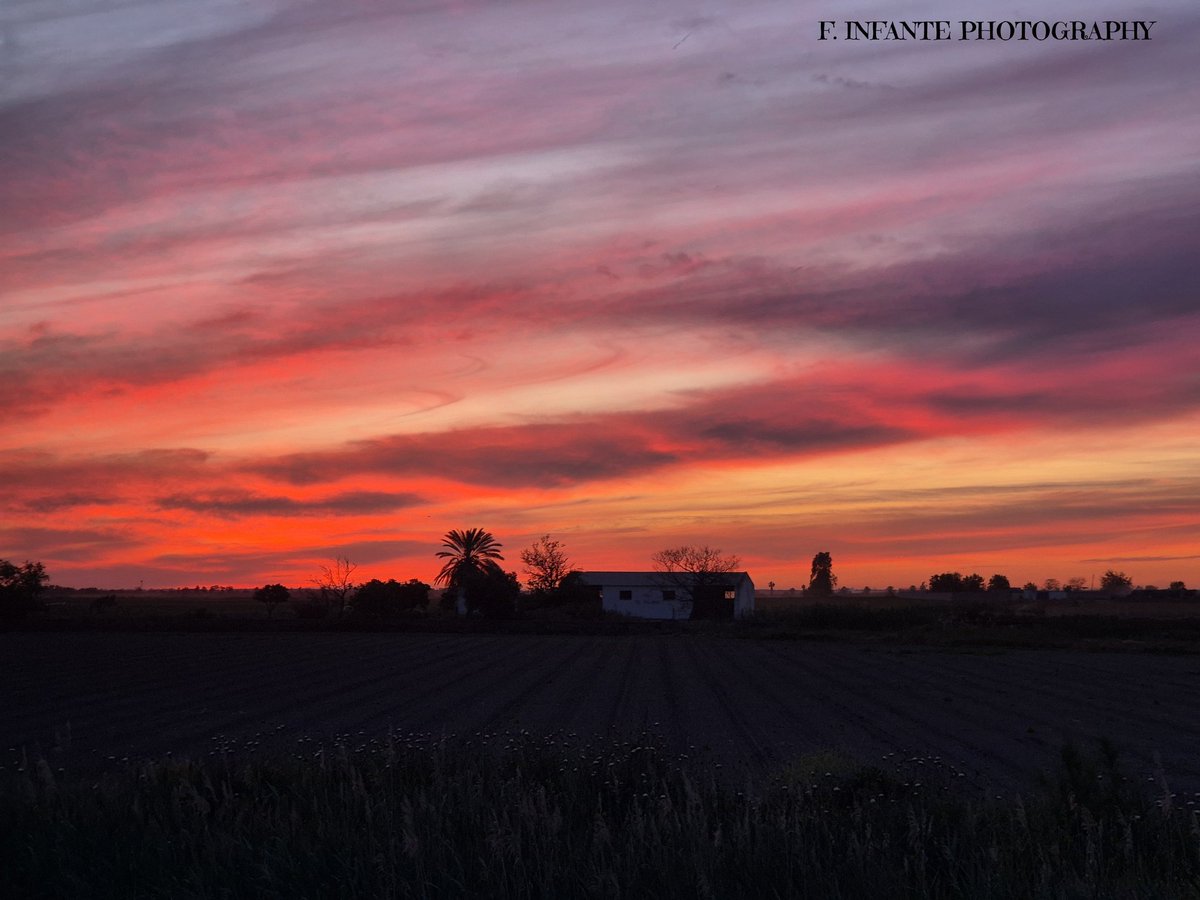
<point>712,601</point>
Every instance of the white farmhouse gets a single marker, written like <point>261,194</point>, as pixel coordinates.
<point>655,595</point>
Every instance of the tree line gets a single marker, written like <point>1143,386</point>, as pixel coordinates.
<point>473,581</point>
<point>956,583</point>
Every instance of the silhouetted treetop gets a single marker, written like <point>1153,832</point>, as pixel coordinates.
<point>546,564</point>
<point>20,587</point>
<point>473,551</point>
<point>271,595</point>
<point>822,581</point>
<point>956,582</point>
<point>1115,581</point>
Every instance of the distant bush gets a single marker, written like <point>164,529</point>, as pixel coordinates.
<point>573,597</point>
<point>956,582</point>
<point>271,595</point>
<point>385,599</point>
<point>492,594</point>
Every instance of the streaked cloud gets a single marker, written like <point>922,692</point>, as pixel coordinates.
<point>234,504</point>
<point>369,271</point>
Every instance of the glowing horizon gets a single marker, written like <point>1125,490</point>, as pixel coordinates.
<point>282,282</point>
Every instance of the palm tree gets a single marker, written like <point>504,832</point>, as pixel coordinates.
<point>467,553</point>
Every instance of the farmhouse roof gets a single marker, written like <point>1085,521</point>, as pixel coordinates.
<point>631,579</point>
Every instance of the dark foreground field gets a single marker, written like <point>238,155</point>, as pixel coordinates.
<point>988,721</point>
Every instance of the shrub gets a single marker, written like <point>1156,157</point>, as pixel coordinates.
<point>271,595</point>
<point>385,599</point>
<point>492,594</point>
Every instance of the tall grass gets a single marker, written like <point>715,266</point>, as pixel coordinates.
<point>543,817</point>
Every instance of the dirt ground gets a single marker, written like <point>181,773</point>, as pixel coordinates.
<point>987,720</point>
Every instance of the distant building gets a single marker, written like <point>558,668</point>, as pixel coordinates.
<point>656,595</point>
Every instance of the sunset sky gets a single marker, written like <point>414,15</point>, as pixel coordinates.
<point>285,280</point>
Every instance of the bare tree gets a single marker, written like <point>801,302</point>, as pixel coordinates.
<point>693,568</point>
<point>546,564</point>
<point>699,573</point>
<point>702,560</point>
<point>334,583</point>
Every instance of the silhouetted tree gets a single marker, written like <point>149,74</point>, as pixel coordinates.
<point>546,564</point>
<point>955,582</point>
<point>1029,586</point>
<point>1052,584</point>
<point>380,599</point>
<point>491,593</point>
<point>1115,581</point>
<point>1178,586</point>
<point>469,555</point>
<point>821,580</point>
<point>271,595</point>
<point>1076,584</point>
<point>946,582</point>
<point>699,572</point>
<point>334,584</point>
<point>20,587</point>
<point>701,562</point>
<point>999,583</point>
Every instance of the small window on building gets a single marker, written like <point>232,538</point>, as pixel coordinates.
<point>668,595</point>
<point>731,595</point>
<point>625,595</point>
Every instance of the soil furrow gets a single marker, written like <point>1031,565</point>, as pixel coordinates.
<point>997,717</point>
<point>908,730</point>
<point>740,722</point>
<point>549,671</point>
<point>633,655</point>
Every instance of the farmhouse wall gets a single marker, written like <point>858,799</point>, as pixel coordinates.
<point>650,595</point>
<point>644,602</point>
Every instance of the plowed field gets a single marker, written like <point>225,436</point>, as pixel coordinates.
<point>89,701</point>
